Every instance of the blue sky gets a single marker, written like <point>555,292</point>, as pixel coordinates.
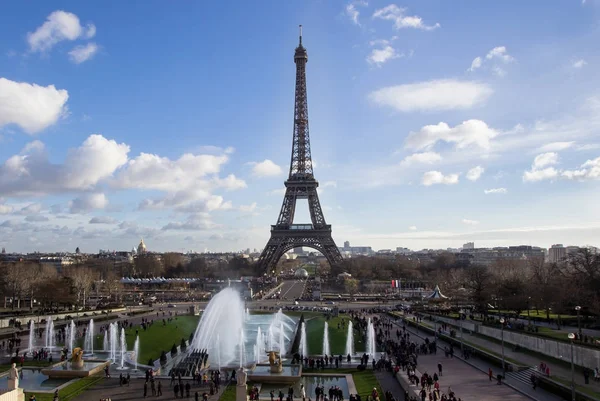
<point>432,123</point>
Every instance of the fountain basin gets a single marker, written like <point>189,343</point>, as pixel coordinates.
<point>263,374</point>
<point>65,370</point>
<point>310,382</point>
<point>34,380</point>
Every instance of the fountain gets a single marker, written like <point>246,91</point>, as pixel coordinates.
<point>350,340</point>
<point>303,343</point>
<point>31,335</point>
<point>218,354</point>
<point>70,336</point>
<point>113,342</point>
<point>260,345</point>
<point>214,326</point>
<point>88,343</point>
<point>136,351</point>
<point>123,348</point>
<point>49,340</point>
<point>281,340</point>
<point>241,347</point>
<point>105,346</point>
<point>370,347</point>
<point>326,350</point>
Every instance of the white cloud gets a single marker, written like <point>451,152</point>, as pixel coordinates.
<point>352,12</point>
<point>475,173</point>
<point>495,191</point>
<point>59,26</point>
<point>588,146</point>
<point>30,106</point>
<point>266,168</point>
<point>231,182</point>
<point>401,20</point>
<point>470,222</point>
<point>469,133</point>
<point>102,220</point>
<point>475,64</point>
<point>540,175</point>
<point>5,209</point>
<point>555,146</point>
<point>499,53</point>
<point>590,170</point>
<point>423,158</point>
<point>82,53</point>
<point>194,222</point>
<point>445,94</point>
<point>412,228</point>
<point>31,172</point>
<point>32,208</point>
<point>150,171</point>
<point>88,202</point>
<point>436,177</point>
<point>579,64</point>
<point>380,56</point>
<point>545,159</point>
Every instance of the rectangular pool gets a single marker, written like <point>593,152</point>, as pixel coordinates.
<point>34,379</point>
<point>310,384</point>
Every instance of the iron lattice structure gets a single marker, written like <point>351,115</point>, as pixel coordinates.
<point>301,184</point>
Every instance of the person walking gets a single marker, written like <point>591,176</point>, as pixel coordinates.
<point>187,390</point>
<point>159,389</point>
<point>145,389</point>
<point>490,373</point>
<point>440,369</point>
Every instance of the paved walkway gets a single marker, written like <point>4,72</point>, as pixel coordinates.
<point>109,388</point>
<point>556,370</point>
<point>389,383</point>
<point>474,373</point>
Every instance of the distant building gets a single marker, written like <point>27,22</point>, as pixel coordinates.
<point>557,253</point>
<point>141,249</point>
<point>469,245</point>
<point>403,251</point>
<point>488,256</point>
<point>348,250</point>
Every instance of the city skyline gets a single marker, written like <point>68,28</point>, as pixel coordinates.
<point>162,123</point>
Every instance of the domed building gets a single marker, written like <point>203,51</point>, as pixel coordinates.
<point>141,249</point>
<point>301,273</point>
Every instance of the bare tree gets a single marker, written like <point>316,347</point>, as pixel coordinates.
<point>82,279</point>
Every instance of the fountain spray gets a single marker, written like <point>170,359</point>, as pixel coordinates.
<point>350,340</point>
<point>303,343</point>
<point>123,348</point>
<point>136,351</point>
<point>326,350</point>
<point>31,335</point>
<point>49,333</point>
<point>88,343</point>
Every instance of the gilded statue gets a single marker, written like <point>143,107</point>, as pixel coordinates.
<point>77,358</point>
<point>275,362</point>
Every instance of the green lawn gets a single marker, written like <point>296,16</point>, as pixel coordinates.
<point>228,394</point>
<point>533,313</point>
<point>70,391</point>
<point>160,338</point>
<point>337,337</point>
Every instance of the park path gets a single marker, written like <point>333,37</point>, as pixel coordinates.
<point>556,370</point>
<point>474,371</point>
<point>388,382</point>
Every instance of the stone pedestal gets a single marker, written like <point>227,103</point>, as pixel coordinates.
<point>12,384</point>
<point>241,393</point>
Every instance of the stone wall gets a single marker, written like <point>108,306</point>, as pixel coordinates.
<point>12,395</point>
<point>583,356</point>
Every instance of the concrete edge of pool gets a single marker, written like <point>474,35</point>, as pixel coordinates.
<point>54,373</point>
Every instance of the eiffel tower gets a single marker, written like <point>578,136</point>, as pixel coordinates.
<point>301,184</point>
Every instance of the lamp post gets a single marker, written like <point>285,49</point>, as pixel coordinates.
<point>502,337</point>
<point>572,337</point>
<point>578,309</point>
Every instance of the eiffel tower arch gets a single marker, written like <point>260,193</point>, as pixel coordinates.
<point>301,184</point>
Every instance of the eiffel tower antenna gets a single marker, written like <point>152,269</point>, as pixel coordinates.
<point>301,184</point>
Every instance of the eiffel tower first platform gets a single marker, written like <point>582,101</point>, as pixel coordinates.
<point>301,184</point>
